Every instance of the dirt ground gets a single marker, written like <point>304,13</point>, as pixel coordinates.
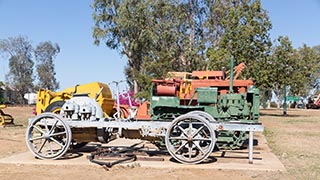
<point>293,139</point>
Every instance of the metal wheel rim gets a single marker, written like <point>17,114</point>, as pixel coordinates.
<point>203,114</point>
<point>190,139</point>
<point>2,120</point>
<point>48,136</point>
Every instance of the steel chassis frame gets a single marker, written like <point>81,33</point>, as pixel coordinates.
<point>156,128</point>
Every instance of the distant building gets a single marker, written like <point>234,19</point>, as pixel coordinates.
<point>31,98</point>
<point>7,94</point>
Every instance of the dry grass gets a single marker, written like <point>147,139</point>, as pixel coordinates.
<point>21,114</point>
<point>293,139</point>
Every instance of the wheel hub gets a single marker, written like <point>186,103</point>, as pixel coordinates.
<point>47,136</point>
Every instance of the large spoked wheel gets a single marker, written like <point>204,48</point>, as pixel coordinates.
<point>48,136</point>
<point>189,139</point>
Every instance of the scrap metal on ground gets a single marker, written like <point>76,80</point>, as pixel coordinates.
<point>5,119</point>
<point>112,155</point>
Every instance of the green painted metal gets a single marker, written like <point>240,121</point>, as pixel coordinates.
<point>292,99</point>
<point>242,107</point>
<point>207,95</point>
<point>224,107</point>
<point>168,107</point>
<point>254,94</point>
<point>285,100</point>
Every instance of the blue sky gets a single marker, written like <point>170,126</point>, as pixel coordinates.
<point>69,23</point>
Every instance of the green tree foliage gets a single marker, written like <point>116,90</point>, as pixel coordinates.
<point>20,76</point>
<point>308,69</point>
<point>186,35</point>
<point>316,49</point>
<point>283,62</point>
<point>293,69</point>
<point>155,36</point>
<point>245,36</point>
<point>45,53</point>
<point>125,26</point>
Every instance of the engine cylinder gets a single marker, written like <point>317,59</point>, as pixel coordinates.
<point>82,107</point>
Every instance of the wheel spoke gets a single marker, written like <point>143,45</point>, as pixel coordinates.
<point>190,127</point>
<point>183,130</point>
<point>53,127</point>
<point>54,140</point>
<point>46,125</point>
<point>57,134</point>
<point>198,146</point>
<point>178,138</point>
<point>42,145</point>
<point>197,131</point>
<point>36,138</point>
<point>177,150</point>
<point>37,128</point>
<point>190,151</point>
<point>50,147</point>
<point>201,139</point>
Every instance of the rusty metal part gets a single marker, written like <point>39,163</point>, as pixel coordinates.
<point>110,156</point>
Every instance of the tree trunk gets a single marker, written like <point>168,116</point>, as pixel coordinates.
<point>135,86</point>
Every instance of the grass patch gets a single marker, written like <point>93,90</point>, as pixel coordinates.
<point>304,120</point>
<point>271,140</point>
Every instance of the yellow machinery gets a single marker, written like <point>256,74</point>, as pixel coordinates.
<point>48,101</point>
<point>5,118</point>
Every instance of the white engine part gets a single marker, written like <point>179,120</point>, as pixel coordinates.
<point>81,107</point>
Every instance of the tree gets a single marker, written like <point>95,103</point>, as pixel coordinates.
<point>244,35</point>
<point>125,26</point>
<point>155,36</point>
<point>316,49</point>
<point>20,77</point>
<point>1,93</point>
<point>283,62</point>
<point>45,53</point>
<point>295,68</point>
<point>307,70</point>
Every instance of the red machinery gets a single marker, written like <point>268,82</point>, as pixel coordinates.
<point>184,88</point>
<point>314,103</point>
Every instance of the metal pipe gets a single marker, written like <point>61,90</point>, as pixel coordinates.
<point>231,75</point>
<point>250,147</point>
<point>223,73</point>
<point>285,99</point>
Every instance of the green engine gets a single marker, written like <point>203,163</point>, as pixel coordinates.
<point>237,102</point>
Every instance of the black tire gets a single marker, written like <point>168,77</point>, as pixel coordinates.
<point>55,107</point>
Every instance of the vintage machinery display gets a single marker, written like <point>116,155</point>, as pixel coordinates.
<point>5,119</point>
<point>189,122</point>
